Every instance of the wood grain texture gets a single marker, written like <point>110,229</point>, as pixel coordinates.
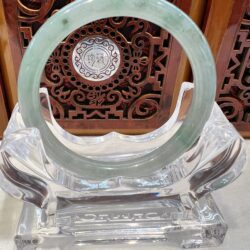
<point>218,16</point>
<point>9,57</point>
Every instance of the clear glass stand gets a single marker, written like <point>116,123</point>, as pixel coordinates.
<point>173,204</point>
<point>122,220</point>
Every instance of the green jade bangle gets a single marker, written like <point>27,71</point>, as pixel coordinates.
<point>82,12</point>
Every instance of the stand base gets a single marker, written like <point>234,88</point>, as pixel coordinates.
<point>123,220</point>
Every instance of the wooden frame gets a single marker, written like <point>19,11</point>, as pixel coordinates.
<point>8,45</point>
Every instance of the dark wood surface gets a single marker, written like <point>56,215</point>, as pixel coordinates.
<point>228,31</point>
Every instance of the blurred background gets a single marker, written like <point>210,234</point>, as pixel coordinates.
<point>140,94</point>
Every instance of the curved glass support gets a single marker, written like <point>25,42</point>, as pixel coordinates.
<point>78,14</point>
<point>64,210</point>
<point>218,155</point>
<point>116,146</point>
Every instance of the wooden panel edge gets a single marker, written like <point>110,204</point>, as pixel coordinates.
<point>3,109</point>
<point>217,22</point>
<point>184,71</point>
<point>6,62</point>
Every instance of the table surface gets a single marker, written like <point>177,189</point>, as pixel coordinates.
<point>233,201</point>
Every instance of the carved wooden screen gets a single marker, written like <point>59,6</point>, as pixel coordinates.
<point>135,98</point>
<point>233,63</point>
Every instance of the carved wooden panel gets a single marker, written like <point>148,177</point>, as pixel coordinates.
<point>138,94</point>
<point>233,62</point>
<point>134,92</point>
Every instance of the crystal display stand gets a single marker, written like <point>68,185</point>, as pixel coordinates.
<point>147,219</point>
<point>174,204</point>
<point>119,188</point>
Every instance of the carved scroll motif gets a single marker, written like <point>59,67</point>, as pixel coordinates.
<point>133,92</point>
<point>234,95</point>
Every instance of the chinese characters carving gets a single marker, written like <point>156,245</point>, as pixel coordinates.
<point>112,70</point>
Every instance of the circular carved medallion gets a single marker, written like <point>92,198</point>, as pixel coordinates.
<point>96,58</point>
<point>181,140</point>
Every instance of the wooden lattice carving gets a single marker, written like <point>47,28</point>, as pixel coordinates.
<point>134,92</point>
<point>233,93</point>
<point>137,97</point>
